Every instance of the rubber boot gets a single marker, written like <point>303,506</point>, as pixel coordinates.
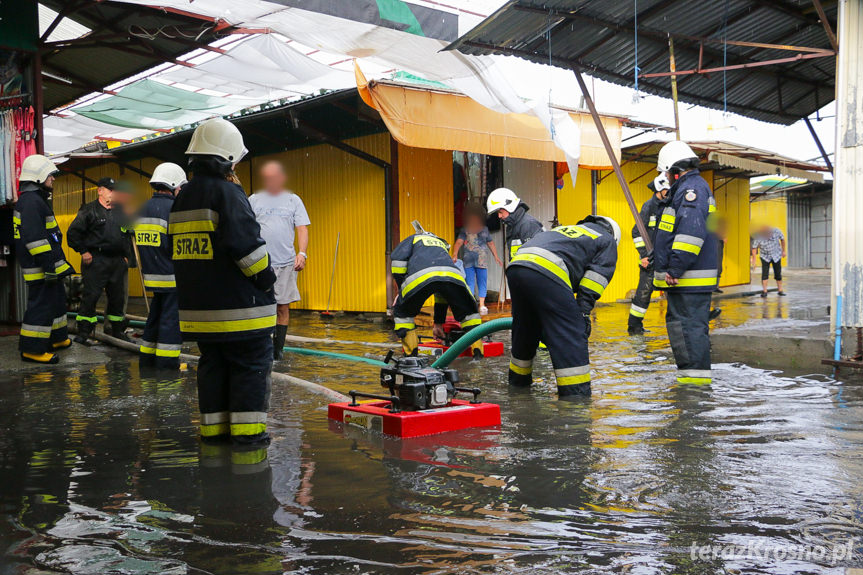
<point>574,391</point>
<point>714,313</point>
<point>62,344</point>
<point>46,358</point>
<point>85,330</point>
<point>279,341</point>
<point>410,342</point>
<point>476,349</point>
<point>118,330</point>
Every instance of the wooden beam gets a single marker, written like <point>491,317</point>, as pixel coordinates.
<point>828,29</point>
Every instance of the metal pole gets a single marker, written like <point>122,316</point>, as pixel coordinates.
<point>624,185</point>
<point>141,274</point>
<point>673,68</point>
<point>819,144</point>
<point>38,102</point>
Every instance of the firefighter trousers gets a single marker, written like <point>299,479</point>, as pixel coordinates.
<point>544,309</point>
<point>234,389</point>
<point>446,293</point>
<point>687,320</point>
<point>641,300</point>
<point>45,318</point>
<point>108,274</point>
<point>161,342</point>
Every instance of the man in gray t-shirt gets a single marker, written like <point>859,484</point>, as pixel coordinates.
<point>280,213</point>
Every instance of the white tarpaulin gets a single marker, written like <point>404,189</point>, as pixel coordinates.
<point>71,131</point>
<point>262,67</point>
<point>476,76</point>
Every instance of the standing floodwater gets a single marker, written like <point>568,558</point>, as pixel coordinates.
<point>102,472</point>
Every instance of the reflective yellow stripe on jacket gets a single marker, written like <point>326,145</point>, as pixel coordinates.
<point>188,221</point>
<point>230,320</point>
<point>545,259</point>
<point>422,276</point>
<point>692,278</point>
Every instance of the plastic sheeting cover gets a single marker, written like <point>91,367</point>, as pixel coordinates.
<point>150,105</point>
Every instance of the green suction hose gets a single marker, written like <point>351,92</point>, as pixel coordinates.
<point>467,339</point>
<point>132,322</point>
<point>332,354</point>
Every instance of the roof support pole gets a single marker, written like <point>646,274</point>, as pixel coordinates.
<point>847,185</point>
<point>673,68</point>
<point>826,23</point>
<point>819,144</point>
<point>624,185</point>
<point>38,102</point>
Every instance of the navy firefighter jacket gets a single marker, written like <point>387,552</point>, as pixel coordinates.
<point>582,257</point>
<point>224,278</point>
<point>38,240</point>
<point>151,236</point>
<point>685,243</point>
<point>421,259</point>
<point>650,212</point>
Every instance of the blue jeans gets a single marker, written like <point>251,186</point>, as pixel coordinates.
<point>478,276</point>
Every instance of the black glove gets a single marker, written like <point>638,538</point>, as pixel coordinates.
<point>265,279</point>
<point>587,325</point>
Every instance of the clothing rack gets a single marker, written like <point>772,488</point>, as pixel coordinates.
<point>17,141</point>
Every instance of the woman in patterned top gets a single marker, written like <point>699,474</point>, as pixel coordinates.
<point>477,242</point>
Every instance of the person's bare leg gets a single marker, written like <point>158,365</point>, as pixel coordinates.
<point>482,302</point>
<point>282,318</point>
<point>763,285</point>
<point>283,314</point>
<point>779,285</point>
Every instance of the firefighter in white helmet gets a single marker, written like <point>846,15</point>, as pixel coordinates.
<point>520,226</point>
<point>161,340</point>
<point>39,249</point>
<point>685,261</point>
<point>650,213</point>
<point>224,288</point>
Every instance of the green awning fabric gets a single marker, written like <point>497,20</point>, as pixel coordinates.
<point>155,106</point>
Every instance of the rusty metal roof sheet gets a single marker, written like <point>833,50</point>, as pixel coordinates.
<point>599,36</point>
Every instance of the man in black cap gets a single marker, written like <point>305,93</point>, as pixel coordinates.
<point>100,233</point>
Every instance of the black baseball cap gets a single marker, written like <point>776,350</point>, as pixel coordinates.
<point>106,183</point>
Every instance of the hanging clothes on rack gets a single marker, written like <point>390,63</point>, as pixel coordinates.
<point>17,141</point>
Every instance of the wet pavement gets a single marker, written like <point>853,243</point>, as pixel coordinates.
<point>101,471</point>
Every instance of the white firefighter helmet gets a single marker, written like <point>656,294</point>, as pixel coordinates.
<point>673,152</point>
<point>36,168</point>
<point>502,199</point>
<point>217,137</point>
<point>615,229</point>
<point>169,174</point>
<point>660,183</point>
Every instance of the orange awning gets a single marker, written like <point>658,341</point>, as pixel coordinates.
<point>444,120</point>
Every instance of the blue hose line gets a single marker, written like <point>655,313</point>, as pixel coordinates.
<point>837,345</point>
<point>334,355</point>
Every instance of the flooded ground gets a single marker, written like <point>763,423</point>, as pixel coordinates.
<point>101,471</point>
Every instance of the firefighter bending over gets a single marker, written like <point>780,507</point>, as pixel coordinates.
<point>422,267</point>
<point>542,277</point>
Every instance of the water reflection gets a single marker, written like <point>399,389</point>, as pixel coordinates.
<point>102,470</point>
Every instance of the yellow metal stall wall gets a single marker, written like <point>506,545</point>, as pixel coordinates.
<point>772,212</point>
<point>732,202</point>
<point>426,191</point>
<point>573,203</point>
<point>342,193</point>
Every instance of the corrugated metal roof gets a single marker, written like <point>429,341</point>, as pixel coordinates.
<point>599,36</point>
<point>125,40</point>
